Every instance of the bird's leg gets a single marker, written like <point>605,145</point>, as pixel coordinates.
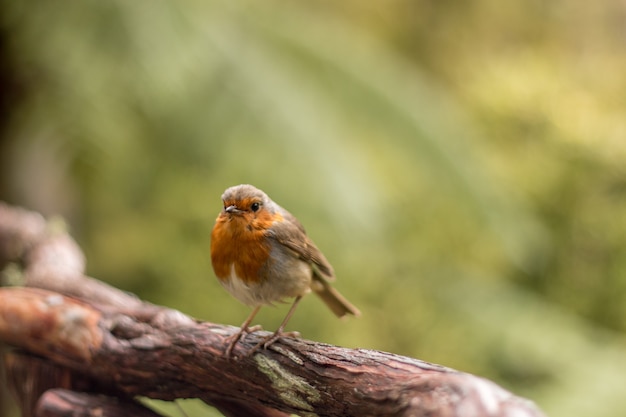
<point>245,328</point>
<point>279,332</point>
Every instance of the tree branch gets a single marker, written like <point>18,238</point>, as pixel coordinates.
<point>135,348</point>
<point>61,403</point>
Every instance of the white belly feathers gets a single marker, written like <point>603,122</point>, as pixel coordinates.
<point>254,294</point>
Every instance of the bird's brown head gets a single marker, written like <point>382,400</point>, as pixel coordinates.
<point>245,206</point>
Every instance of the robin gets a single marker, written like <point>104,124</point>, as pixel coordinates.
<point>261,255</point>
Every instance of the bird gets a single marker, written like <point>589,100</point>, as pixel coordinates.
<point>261,255</point>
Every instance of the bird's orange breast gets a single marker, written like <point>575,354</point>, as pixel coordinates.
<point>240,246</point>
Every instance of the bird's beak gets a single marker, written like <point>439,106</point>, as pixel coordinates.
<point>233,210</point>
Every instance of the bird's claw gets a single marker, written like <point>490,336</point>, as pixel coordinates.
<point>240,335</point>
<point>268,341</point>
<point>265,343</point>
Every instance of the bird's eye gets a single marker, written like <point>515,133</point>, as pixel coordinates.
<point>255,206</point>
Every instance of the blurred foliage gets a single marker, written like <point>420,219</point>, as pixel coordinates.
<point>460,164</point>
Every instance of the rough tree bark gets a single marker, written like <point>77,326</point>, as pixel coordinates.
<point>90,346</point>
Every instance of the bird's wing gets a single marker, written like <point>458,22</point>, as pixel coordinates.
<point>290,233</point>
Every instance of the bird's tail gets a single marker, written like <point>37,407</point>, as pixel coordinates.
<point>332,298</point>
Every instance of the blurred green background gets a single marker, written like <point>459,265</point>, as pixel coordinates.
<point>461,165</point>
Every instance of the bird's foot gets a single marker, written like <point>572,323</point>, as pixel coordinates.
<point>268,341</point>
<point>240,335</point>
